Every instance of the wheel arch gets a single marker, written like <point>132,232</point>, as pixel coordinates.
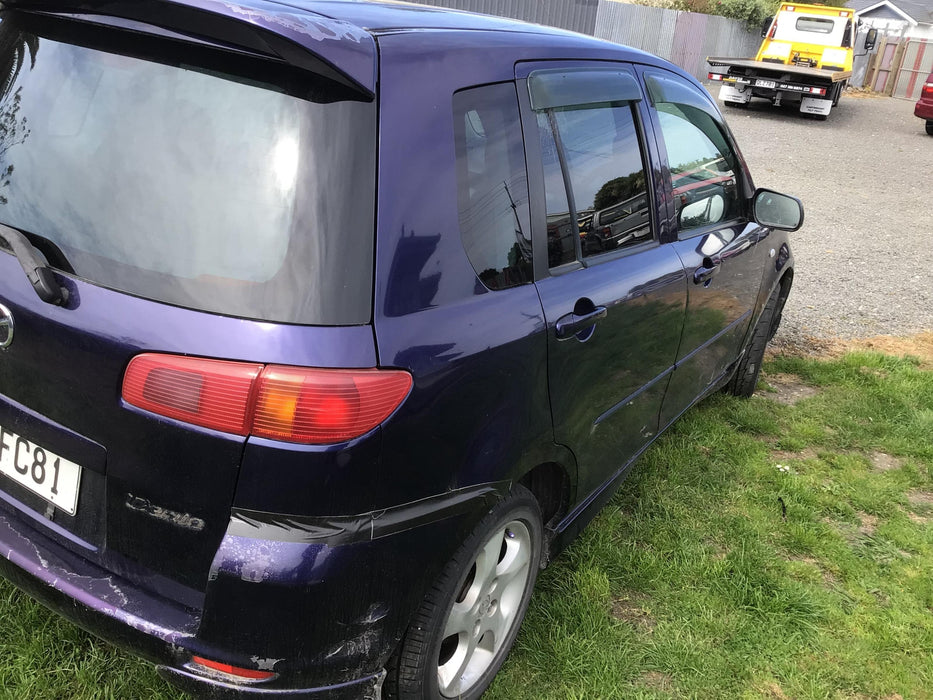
<point>549,483</point>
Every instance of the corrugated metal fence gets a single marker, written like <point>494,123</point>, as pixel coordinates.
<point>575,15</point>
<point>684,38</point>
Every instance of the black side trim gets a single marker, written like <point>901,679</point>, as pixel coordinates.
<point>347,529</point>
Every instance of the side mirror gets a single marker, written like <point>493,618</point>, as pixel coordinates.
<point>776,210</point>
<point>765,26</point>
<point>871,38</point>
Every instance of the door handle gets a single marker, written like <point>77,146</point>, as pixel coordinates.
<point>704,273</point>
<point>571,324</point>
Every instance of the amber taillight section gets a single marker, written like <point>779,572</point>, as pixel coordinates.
<point>294,404</point>
<point>325,405</point>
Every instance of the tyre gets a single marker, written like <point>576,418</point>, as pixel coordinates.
<point>470,617</point>
<point>930,127</point>
<point>746,374</point>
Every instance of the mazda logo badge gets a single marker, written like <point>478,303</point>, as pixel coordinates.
<point>6,327</point>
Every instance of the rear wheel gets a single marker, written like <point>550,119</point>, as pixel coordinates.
<point>746,375</point>
<point>468,621</point>
<point>930,127</point>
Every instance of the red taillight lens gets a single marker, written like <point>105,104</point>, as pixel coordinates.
<point>295,404</point>
<point>235,671</point>
<point>211,393</point>
<point>927,90</point>
<point>325,405</point>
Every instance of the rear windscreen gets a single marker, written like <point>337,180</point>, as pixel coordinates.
<point>188,175</point>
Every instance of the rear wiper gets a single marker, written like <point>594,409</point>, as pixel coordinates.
<point>37,271</point>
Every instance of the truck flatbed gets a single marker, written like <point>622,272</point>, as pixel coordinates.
<point>779,69</point>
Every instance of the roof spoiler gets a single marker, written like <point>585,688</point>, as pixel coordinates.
<point>335,49</point>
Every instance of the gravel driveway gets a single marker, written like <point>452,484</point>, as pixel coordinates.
<point>864,256</point>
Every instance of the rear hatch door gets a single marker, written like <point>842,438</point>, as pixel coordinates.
<point>193,201</point>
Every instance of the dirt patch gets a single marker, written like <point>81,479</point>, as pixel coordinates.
<point>919,346</point>
<point>655,680</point>
<point>869,524</point>
<point>828,578</point>
<point>774,692</point>
<point>883,462</point>
<point>629,610</point>
<point>922,500</point>
<point>862,93</point>
<point>788,389</point>
<point>918,519</point>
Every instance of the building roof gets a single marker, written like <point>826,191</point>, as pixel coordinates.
<point>912,11</point>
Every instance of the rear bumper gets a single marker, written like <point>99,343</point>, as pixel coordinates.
<point>363,689</point>
<point>92,597</point>
<point>924,110</point>
<point>321,608</point>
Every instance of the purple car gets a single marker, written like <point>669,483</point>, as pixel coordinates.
<point>306,367</point>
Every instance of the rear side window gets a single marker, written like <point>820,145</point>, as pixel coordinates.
<point>596,150</point>
<point>189,176</point>
<point>493,188</point>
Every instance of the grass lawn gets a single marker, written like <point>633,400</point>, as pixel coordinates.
<point>780,547</point>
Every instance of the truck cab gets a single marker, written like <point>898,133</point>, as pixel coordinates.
<point>809,36</point>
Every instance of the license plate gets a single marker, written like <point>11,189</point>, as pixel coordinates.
<point>41,471</point>
<point>765,83</point>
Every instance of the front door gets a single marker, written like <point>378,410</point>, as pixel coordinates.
<point>716,241</point>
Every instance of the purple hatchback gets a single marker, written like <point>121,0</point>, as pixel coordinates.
<point>323,326</point>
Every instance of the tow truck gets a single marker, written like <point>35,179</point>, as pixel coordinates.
<point>805,58</point>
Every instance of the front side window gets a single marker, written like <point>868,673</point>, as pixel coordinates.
<point>493,187</point>
<point>702,164</point>
<point>596,150</point>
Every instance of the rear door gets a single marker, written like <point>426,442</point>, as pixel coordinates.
<point>613,292</point>
<point>715,239</point>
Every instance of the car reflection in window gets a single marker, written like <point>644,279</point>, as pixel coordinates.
<point>619,224</point>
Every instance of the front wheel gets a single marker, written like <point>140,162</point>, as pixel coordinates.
<point>746,374</point>
<point>468,621</point>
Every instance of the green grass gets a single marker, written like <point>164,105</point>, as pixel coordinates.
<point>713,573</point>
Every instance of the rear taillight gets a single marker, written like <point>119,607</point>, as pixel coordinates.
<point>211,393</point>
<point>927,90</point>
<point>295,404</point>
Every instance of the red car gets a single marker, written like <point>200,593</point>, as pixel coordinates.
<point>924,107</point>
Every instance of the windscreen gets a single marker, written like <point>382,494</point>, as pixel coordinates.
<point>188,175</point>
